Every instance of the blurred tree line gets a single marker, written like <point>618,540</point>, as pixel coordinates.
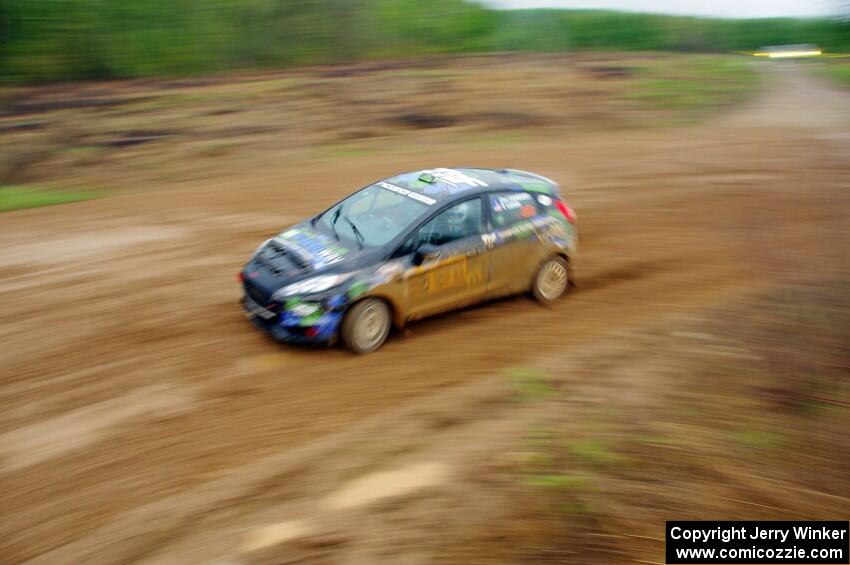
<point>80,39</point>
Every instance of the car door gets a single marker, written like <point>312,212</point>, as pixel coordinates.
<point>457,274</point>
<point>515,249</point>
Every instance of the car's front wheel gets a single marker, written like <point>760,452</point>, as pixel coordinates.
<point>552,280</point>
<point>366,325</point>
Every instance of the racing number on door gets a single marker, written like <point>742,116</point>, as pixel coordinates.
<point>449,274</point>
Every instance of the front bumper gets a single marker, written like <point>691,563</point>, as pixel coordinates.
<point>288,323</point>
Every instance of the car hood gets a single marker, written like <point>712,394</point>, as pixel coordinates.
<point>313,250</point>
<point>297,253</point>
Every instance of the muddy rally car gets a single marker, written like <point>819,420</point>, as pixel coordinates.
<point>407,247</point>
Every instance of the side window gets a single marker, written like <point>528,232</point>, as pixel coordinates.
<point>458,222</point>
<point>509,208</point>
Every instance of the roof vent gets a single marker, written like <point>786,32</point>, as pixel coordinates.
<point>428,177</point>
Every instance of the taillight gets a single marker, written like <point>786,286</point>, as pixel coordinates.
<point>568,212</point>
<point>240,277</point>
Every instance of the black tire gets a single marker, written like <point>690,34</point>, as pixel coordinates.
<point>366,326</point>
<point>551,281</point>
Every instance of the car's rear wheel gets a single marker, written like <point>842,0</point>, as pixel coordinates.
<point>366,325</point>
<point>552,280</point>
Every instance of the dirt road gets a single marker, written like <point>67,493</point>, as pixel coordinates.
<point>143,419</point>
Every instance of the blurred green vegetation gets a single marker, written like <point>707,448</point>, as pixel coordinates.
<point>694,84</point>
<point>83,39</point>
<point>838,71</point>
<point>530,384</point>
<point>21,197</point>
<point>559,30</point>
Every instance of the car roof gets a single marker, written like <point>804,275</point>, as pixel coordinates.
<point>446,185</point>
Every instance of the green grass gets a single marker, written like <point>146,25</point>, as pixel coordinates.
<point>755,440</point>
<point>839,72</point>
<point>594,453</point>
<point>424,73</point>
<point>22,197</point>
<point>559,481</point>
<point>530,384</point>
<point>695,84</point>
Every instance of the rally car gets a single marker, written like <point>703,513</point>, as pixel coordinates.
<point>411,246</point>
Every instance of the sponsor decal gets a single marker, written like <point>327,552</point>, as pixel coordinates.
<point>453,177</point>
<point>292,316</point>
<point>521,230</point>
<point>506,202</point>
<point>517,230</point>
<point>448,275</point>
<point>327,325</point>
<point>299,314</point>
<point>252,309</point>
<point>553,228</point>
<point>319,249</point>
<point>305,309</point>
<point>357,289</point>
<point>336,301</point>
<point>409,193</point>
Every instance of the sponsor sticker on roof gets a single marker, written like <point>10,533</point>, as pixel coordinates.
<point>453,177</point>
<point>409,193</point>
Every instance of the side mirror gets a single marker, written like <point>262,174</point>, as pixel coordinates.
<point>424,253</point>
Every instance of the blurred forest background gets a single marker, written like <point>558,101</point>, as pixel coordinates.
<point>51,40</point>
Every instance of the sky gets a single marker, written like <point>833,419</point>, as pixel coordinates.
<point>721,8</point>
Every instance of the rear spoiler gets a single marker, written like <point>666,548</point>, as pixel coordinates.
<point>556,189</point>
<point>530,174</point>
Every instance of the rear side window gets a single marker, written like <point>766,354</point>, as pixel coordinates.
<point>509,208</point>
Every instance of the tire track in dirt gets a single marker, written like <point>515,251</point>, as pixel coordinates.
<point>419,435</point>
<point>78,429</point>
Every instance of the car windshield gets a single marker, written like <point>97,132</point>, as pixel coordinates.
<point>377,214</point>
